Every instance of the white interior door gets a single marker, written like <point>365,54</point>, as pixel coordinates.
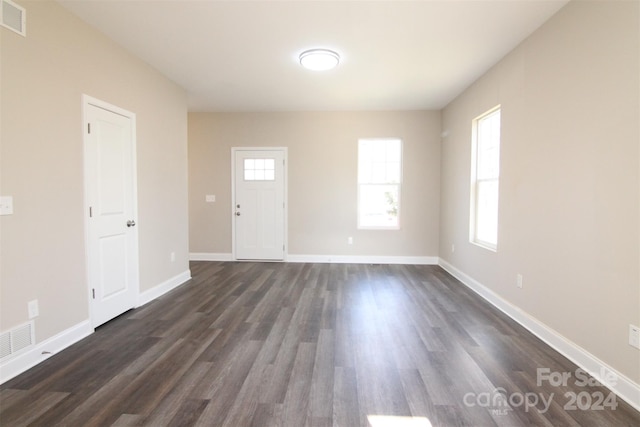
<point>112,247</point>
<point>259,210</point>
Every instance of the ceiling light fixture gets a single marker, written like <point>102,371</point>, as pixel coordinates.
<point>319,59</point>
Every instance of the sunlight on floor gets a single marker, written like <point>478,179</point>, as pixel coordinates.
<point>397,421</point>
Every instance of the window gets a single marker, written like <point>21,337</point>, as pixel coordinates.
<point>259,169</point>
<point>379,180</point>
<point>485,177</point>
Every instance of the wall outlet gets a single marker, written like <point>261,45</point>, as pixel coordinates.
<point>210,198</point>
<point>173,257</point>
<point>34,311</point>
<point>519,281</point>
<point>350,240</point>
<point>6,205</point>
<point>634,336</point>
<point>453,248</point>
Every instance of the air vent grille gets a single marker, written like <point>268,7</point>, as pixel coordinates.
<point>16,339</point>
<point>5,345</point>
<point>13,17</point>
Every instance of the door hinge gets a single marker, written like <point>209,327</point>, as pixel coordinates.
<point>88,127</point>
<point>93,292</point>
<point>90,212</point>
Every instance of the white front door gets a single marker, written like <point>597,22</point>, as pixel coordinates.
<point>111,198</point>
<point>259,210</point>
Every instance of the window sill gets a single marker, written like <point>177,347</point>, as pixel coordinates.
<point>485,245</point>
<point>379,228</point>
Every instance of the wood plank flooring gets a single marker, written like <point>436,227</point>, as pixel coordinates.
<point>276,344</point>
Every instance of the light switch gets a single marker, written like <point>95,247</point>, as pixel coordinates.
<point>6,205</point>
<point>210,198</point>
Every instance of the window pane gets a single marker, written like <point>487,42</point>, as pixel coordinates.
<point>393,172</point>
<point>488,146</point>
<point>269,175</point>
<point>379,205</point>
<point>269,164</point>
<point>379,161</point>
<point>364,172</point>
<point>487,212</point>
<point>366,146</point>
<point>488,163</point>
<point>378,173</point>
<point>394,151</point>
<point>259,169</point>
<point>378,152</point>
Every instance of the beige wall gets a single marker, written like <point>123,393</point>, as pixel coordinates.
<point>322,149</point>
<point>569,208</point>
<point>569,203</point>
<point>42,244</point>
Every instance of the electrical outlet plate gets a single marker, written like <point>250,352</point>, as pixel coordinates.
<point>210,198</point>
<point>6,205</point>
<point>34,311</point>
<point>634,336</point>
<point>519,281</point>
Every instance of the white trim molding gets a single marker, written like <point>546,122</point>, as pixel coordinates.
<point>624,387</point>
<point>207,256</point>
<point>164,287</point>
<point>25,360</point>
<point>364,259</point>
<point>38,353</point>
<point>327,259</point>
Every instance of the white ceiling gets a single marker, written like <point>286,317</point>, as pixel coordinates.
<point>242,55</point>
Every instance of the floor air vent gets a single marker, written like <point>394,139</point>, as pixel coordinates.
<point>13,17</point>
<point>16,339</point>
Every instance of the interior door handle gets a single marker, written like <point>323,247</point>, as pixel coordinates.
<point>131,223</point>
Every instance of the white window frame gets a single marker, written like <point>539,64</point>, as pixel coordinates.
<point>476,182</point>
<point>360,226</point>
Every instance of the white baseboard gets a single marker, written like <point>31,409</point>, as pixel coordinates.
<point>624,387</point>
<point>206,256</point>
<point>30,357</point>
<point>164,287</point>
<point>364,259</point>
<point>337,259</point>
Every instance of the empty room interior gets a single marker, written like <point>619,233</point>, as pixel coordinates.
<point>320,213</point>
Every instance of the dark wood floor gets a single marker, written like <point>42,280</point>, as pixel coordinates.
<point>267,344</point>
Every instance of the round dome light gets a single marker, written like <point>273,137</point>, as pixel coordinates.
<point>319,59</point>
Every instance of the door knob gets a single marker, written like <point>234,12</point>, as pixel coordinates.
<point>131,223</point>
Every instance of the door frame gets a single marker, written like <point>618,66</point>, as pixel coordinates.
<point>91,101</point>
<point>285,175</point>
